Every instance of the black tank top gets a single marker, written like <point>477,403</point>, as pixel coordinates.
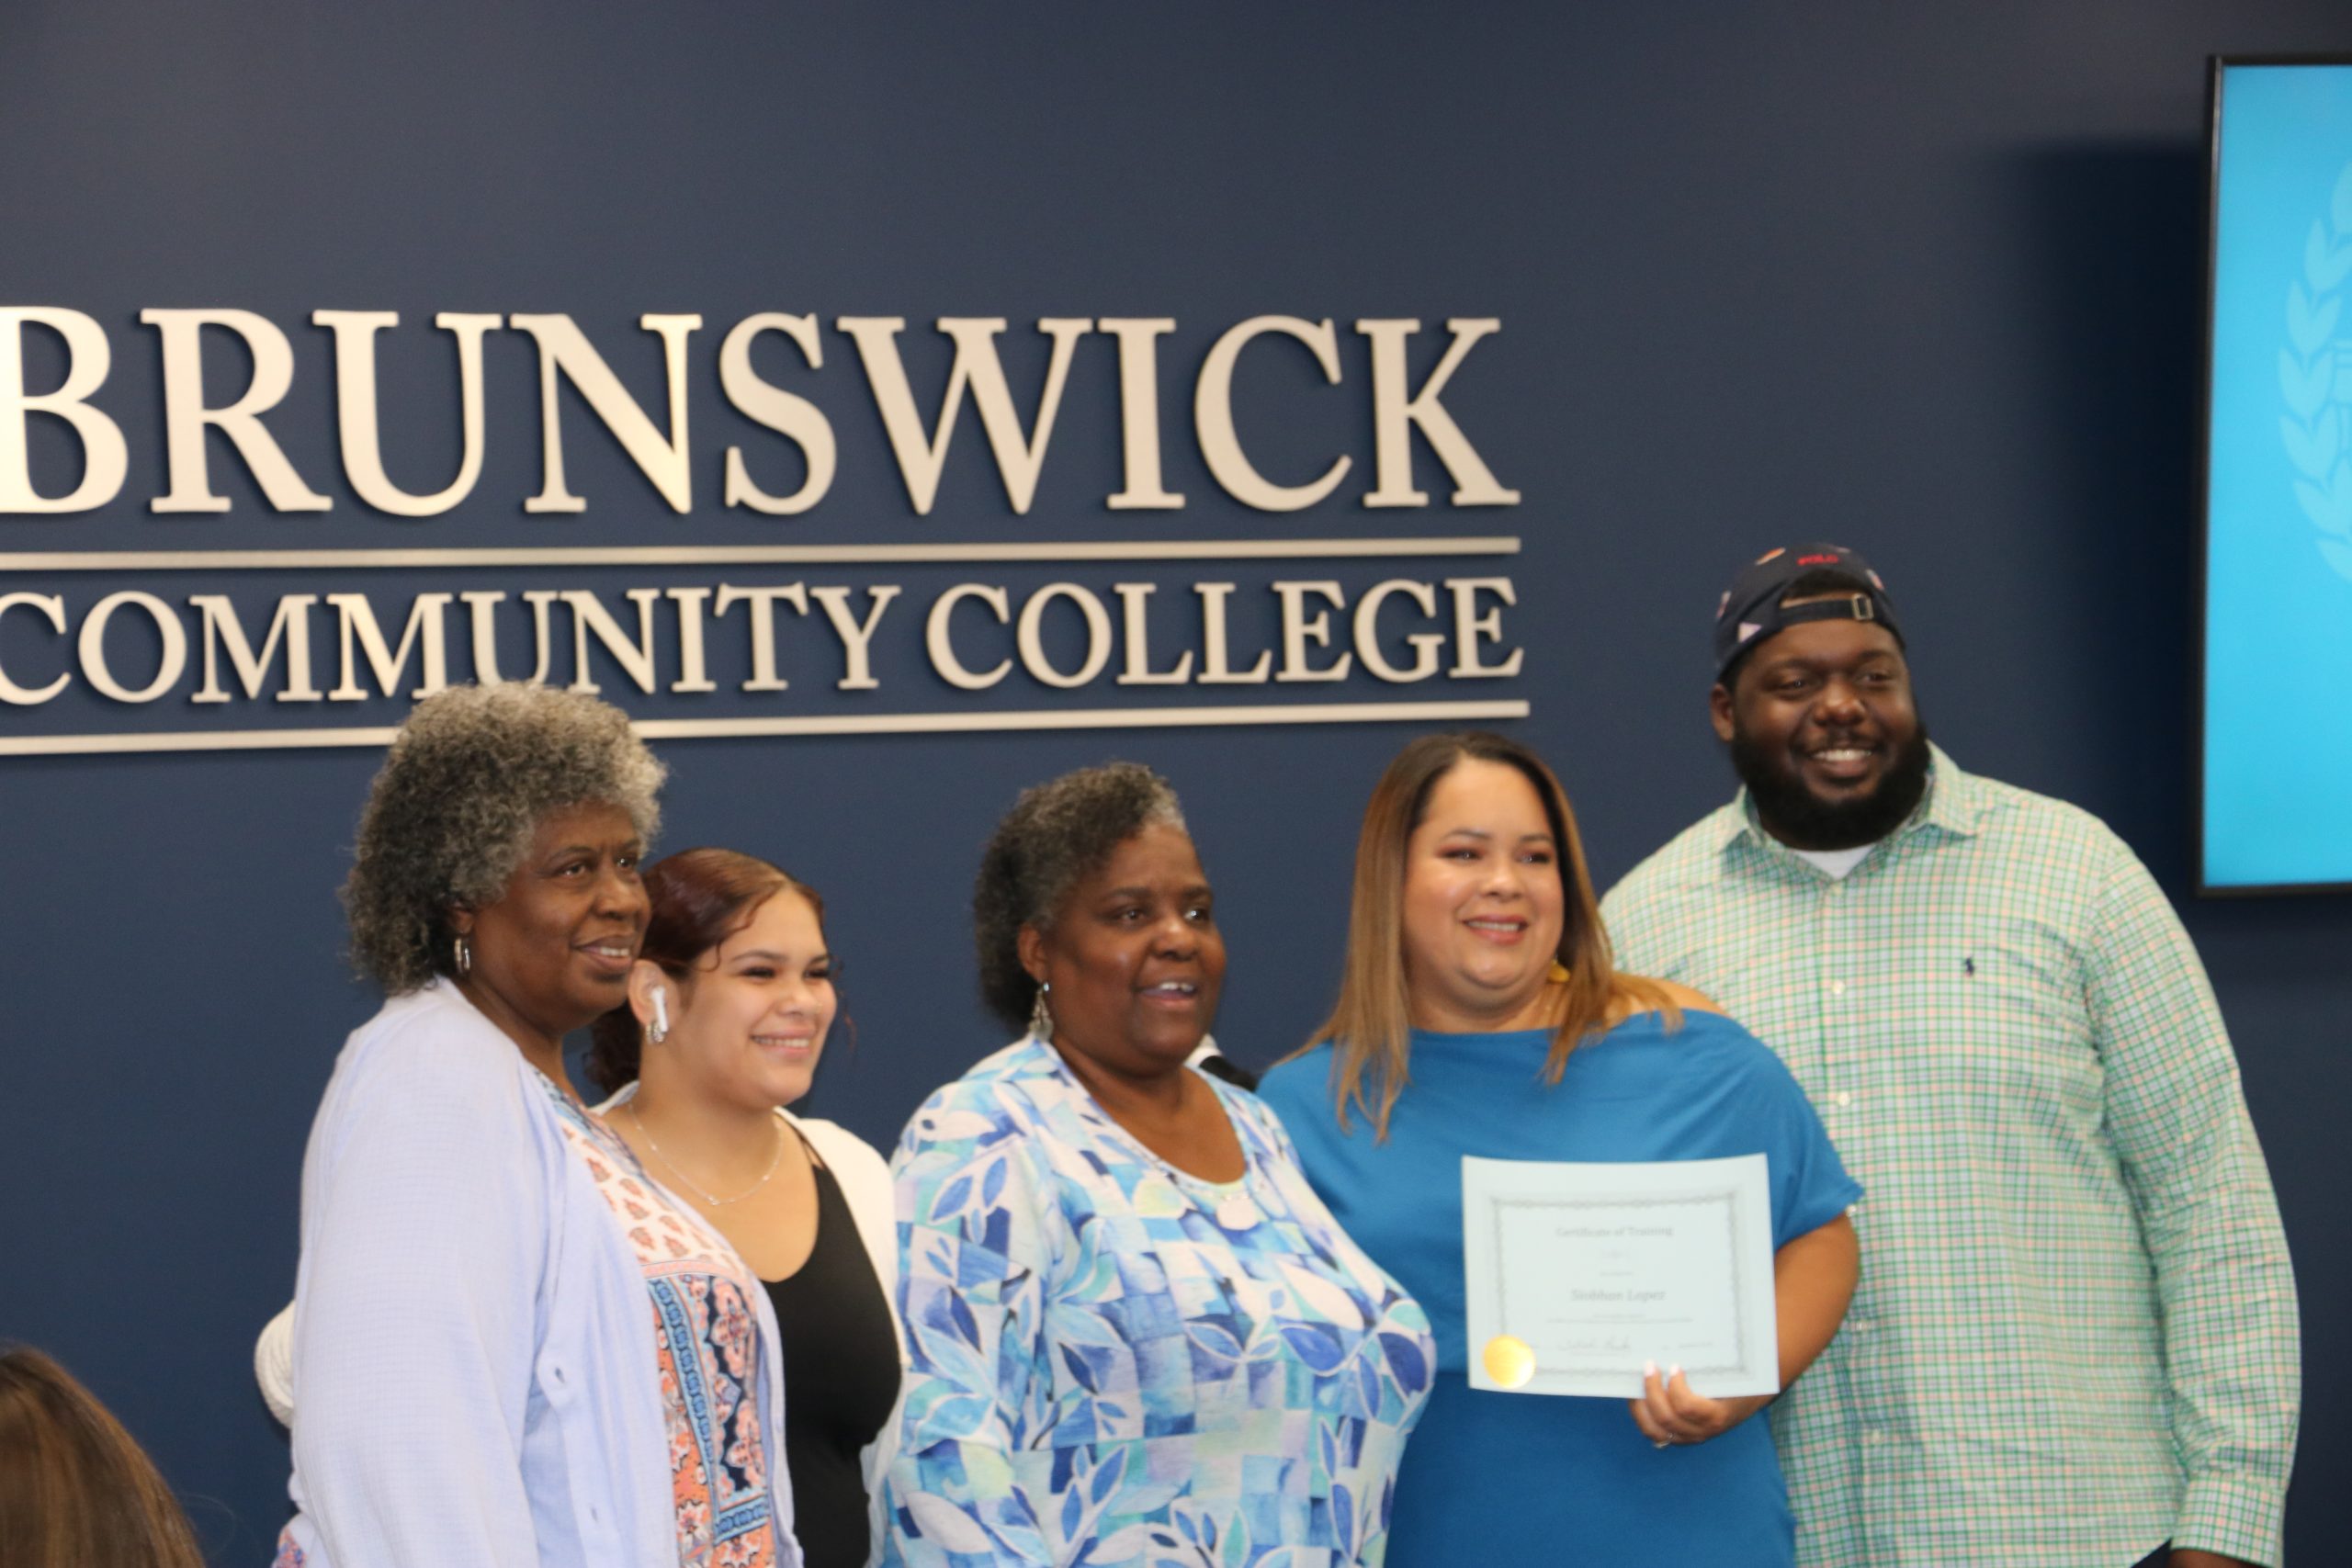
<point>840,1378</point>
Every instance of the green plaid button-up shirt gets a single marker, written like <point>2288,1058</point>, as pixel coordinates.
<point>2075,1336</point>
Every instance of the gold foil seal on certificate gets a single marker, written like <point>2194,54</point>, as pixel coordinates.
<point>1509,1361</point>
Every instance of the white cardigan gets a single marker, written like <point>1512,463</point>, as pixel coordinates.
<point>864,1180</point>
<point>472,1389</point>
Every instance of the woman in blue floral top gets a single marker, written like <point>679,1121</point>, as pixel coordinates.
<point>1138,1336</point>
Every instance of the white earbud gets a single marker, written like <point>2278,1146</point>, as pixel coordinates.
<point>661,1013</point>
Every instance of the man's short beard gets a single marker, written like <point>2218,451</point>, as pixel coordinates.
<point>1801,818</point>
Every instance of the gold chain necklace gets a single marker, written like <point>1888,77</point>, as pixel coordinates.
<point>711,1199</point>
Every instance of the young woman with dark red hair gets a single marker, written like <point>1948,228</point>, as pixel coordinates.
<point>729,1009</point>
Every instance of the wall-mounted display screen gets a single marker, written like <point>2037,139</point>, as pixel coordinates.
<point>2275,807</point>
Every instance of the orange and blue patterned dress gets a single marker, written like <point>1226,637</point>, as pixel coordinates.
<point>706,1333</point>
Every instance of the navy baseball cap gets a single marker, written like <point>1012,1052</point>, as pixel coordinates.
<point>1751,609</point>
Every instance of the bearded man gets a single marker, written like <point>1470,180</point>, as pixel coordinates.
<point>2074,1339</point>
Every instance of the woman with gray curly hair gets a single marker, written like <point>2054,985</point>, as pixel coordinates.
<point>513,1347</point>
<point>1135,1332</point>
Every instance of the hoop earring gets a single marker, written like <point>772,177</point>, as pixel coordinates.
<point>464,954</point>
<point>1041,1017</point>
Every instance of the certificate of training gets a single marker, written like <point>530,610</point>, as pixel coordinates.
<point>1579,1273</point>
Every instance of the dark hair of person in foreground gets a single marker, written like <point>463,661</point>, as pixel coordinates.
<point>75,1490</point>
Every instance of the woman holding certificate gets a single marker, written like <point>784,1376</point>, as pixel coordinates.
<point>1479,1016</point>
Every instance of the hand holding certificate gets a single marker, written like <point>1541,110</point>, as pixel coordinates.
<point>1578,1274</point>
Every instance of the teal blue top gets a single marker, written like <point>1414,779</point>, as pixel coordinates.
<point>1521,1478</point>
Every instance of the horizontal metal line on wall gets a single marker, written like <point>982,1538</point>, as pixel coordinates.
<point>752,555</point>
<point>852,724</point>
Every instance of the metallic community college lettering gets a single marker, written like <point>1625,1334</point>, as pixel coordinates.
<point>667,638</point>
<point>709,639</point>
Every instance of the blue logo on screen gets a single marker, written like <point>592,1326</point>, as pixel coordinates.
<point>2278,491</point>
<point>2315,373</point>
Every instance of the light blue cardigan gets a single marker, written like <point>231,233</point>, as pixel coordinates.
<point>471,1337</point>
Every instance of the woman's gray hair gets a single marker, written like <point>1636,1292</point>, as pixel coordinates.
<point>1055,835</point>
<point>468,781</point>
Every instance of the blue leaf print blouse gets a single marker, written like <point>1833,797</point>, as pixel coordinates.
<point>1118,1365</point>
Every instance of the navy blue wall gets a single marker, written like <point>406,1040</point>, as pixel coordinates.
<point>1927,279</point>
